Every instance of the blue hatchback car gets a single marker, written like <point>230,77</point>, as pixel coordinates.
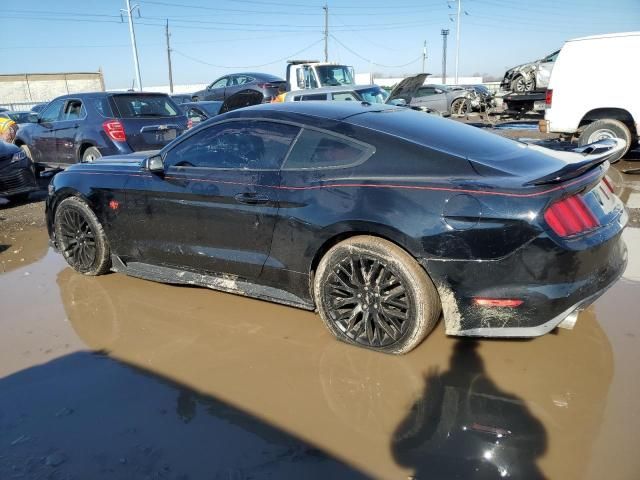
<point>85,126</point>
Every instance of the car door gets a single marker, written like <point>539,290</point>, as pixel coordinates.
<point>430,97</point>
<point>543,73</point>
<point>73,115</point>
<point>215,91</point>
<point>44,136</point>
<point>214,208</point>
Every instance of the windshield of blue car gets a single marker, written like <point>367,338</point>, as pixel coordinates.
<point>140,106</point>
<point>335,75</point>
<point>373,95</point>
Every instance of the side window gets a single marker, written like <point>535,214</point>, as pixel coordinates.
<point>244,144</point>
<point>345,96</point>
<point>425,91</point>
<point>73,110</point>
<point>315,149</point>
<point>317,96</point>
<point>103,107</point>
<point>53,111</point>
<point>222,82</point>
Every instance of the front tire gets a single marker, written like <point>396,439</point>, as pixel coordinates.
<point>81,238</point>
<point>523,85</point>
<point>603,129</point>
<point>460,106</point>
<point>373,294</point>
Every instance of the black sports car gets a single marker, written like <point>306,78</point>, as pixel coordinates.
<point>380,217</point>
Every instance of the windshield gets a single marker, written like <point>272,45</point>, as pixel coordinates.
<point>136,106</point>
<point>335,75</point>
<point>373,95</point>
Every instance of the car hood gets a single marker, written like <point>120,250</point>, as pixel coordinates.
<point>7,150</point>
<point>115,161</point>
<point>407,88</point>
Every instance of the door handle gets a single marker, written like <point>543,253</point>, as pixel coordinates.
<point>251,198</point>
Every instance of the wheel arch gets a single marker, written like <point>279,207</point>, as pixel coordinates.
<point>82,147</point>
<point>613,113</point>
<point>391,235</point>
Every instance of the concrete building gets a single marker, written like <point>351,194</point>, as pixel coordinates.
<point>22,91</point>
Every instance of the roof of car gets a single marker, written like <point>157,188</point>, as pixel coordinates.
<point>321,109</point>
<point>103,94</point>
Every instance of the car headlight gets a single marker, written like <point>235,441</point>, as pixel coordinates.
<point>18,156</point>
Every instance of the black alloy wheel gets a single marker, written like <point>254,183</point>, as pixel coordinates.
<point>367,301</point>
<point>372,293</point>
<point>81,238</point>
<point>78,241</point>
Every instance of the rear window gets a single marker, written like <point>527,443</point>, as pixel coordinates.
<point>144,106</point>
<point>314,149</point>
<point>102,106</point>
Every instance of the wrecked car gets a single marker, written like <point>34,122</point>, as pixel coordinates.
<point>379,217</point>
<point>529,77</point>
<point>439,99</point>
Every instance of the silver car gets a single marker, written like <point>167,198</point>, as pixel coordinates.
<point>529,77</point>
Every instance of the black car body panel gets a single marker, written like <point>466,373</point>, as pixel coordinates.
<point>466,204</point>
<point>62,134</point>
<point>17,175</point>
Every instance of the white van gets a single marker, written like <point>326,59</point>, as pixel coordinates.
<point>594,89</point>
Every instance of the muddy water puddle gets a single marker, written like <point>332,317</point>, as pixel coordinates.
<point>115,377</point>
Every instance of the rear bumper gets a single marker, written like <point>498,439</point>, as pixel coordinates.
<point>552,283</point>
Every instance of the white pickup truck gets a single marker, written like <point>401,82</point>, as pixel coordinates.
<point>308,74</point>
<point>593,91</point>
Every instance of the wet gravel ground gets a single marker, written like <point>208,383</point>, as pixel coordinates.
<point>116,377</point>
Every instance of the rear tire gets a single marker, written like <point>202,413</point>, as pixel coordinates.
<point>91,154</point>
<point>81,238</point>
<point>373,294</point>
<point>606,128</point>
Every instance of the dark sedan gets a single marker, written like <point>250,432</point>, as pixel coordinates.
<point>17,175</point>
<point>83,127</point>
<point>268,85</point>
<point>380,217</point>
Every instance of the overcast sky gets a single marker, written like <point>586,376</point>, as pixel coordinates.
<point>211,38</point>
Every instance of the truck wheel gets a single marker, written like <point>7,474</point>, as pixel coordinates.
<point>603,129</point>
<point>81,238</point>
<point>371,293</point>
<point>522,85</point>
<point>91,154</point>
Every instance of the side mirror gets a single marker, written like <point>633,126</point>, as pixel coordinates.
<point>155,164</point>
<point>398,102</point>
<point>437,90</point>
<point>300,78</point>
<point>33,118</point>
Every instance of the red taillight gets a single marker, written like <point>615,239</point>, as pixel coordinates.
<point>548,97</point>
<point>115,130</point>
<point>608,183</point>
<point>497,302</point>
<point>267,85</point>
<point>570,216</point>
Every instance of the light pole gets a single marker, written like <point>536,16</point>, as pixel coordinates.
<point>129,10</point>
<point>444,34</point>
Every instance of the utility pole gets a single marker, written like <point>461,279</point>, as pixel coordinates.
<point>458,38</point>
<point>326,32</point>
<point>424,55</point>
<point>169,58</point>
<point>444,34</point>
<point>129,10</point>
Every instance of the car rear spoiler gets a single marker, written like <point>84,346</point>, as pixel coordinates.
<point>582,159</point>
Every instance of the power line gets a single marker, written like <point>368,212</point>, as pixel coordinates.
<point>249,66</point>
<point>372,62</point>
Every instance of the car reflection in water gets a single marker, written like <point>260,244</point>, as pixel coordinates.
<point>456,408</point>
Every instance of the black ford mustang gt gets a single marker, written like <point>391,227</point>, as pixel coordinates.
<point>379,217</point>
